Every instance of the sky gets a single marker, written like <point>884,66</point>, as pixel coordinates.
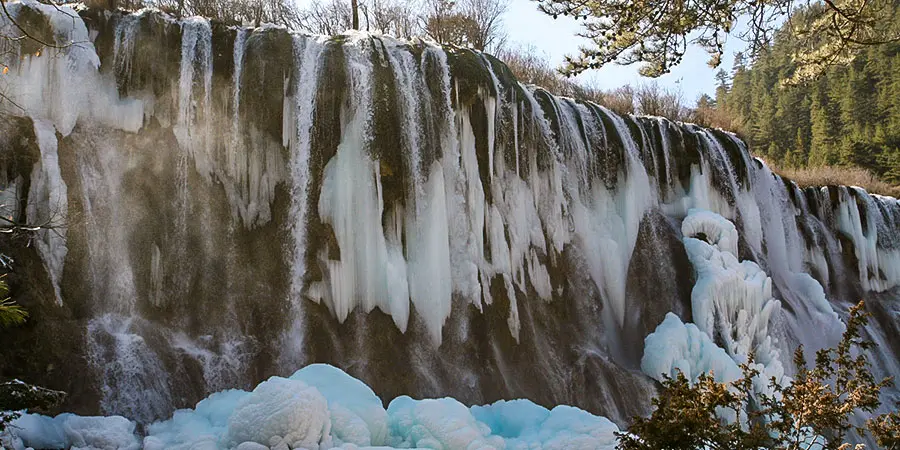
<point>555,38</point>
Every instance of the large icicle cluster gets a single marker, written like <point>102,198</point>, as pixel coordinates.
<point>734,312</point>
<point>321,407</point>
<point>48,203</point>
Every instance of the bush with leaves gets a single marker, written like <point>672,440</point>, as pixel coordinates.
<point>886,430</point>
<point>813,410</point>
<point>687,417</point>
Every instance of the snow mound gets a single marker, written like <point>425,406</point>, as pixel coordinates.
<point>438,424</point>
<point>281,410</point>
<point>71,431</point>
<point>676,346</point>
<point>207,422</point>
<point>525,425</point>
<point>321,407</point>
<point>357,414</point>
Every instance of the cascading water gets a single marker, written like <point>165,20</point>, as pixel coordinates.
<point>240,202</point>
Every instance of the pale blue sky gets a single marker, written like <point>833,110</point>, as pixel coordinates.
<point>556,38</point>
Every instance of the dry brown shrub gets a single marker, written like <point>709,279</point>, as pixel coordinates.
<point>839,175</point>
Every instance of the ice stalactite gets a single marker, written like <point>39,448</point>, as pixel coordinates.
<point>298,128</point>
<point>425,225</point>
<point>192,131</point>
<point>607,222</point>
<point>248,162</point>
<point>48,206</point>
<point>371,271</point>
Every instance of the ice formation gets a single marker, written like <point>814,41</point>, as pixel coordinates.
<point>732,301</point>
<point>321,407</point>
<point>48,205</point>
<point>70,431</point>
<point>734,312</point>
<point>357,414</point>
<point>62,86</point>
<point>679,347</point>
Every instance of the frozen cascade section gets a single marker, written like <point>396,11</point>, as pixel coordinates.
<point>56,88</point>
<point>870,221</point>
<point>426,224</point>
<point>732,301</point>
<point>48,205</point>
<point>191,130</point>
<point>247,162</point>
<point>734,312</point>
<point>607,220</point>
<point>321,407</point>
<point>394,251</point>
<point>61,85</point>
<point>371,271</point>
<point>459,225</point>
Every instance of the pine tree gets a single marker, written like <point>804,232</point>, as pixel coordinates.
<point>11,314</point>
<point>825,127</point>
<point>850,115</point>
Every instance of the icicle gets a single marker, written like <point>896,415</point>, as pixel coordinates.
<point>48,206</point>
<point>235,149</point>
<point>61,85</point>
<point>298,123</point>
<point>191,130</point>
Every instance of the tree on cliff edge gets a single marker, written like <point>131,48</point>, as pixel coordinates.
<point>812,411</point>
<point>657,33</point>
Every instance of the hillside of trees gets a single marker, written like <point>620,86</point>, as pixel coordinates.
<point>848,116</point>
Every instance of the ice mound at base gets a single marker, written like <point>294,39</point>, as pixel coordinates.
<point>525,425</point>
<point>281,410</point>
<point>357,414</point>
<point>676,346</point>
<point>321,407</point>
<point>438,423</point>
<point>71,431</point>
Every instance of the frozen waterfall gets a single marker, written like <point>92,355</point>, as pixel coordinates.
<point>234,203</point>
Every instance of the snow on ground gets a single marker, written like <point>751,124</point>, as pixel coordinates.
<point>321,407</point>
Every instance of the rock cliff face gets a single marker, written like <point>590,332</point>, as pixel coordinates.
<point>227,204</point>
